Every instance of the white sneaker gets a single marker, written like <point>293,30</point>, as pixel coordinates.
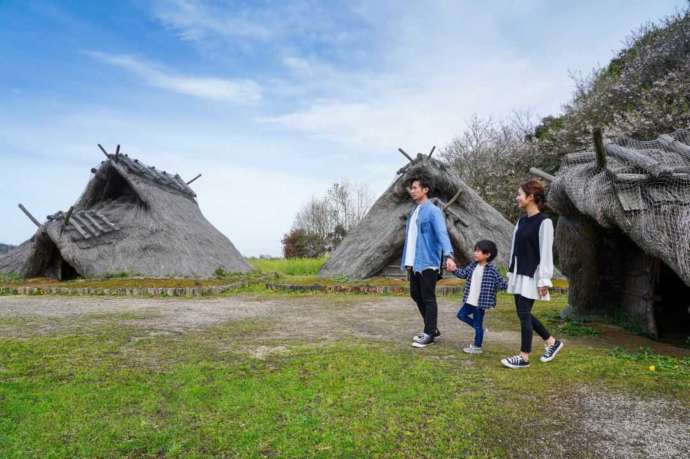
<point>424,341</point>
<point>472,349</point>
<point>419,336</point>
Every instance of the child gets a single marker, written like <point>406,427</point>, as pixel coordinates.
<point>483,281</point>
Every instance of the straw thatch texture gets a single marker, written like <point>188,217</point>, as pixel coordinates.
<point>131,218</point>
<point>619,219</point>
<point>377,242</point>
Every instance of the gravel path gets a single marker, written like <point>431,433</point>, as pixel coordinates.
<point>382,318</point>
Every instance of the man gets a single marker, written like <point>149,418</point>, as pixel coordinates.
<point>426,245</point>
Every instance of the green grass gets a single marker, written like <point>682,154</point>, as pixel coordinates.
<point>109,390</point>
<point>288,266</point>
<point>654,362</point>
<point>9,278</point>
<point>568,327</point>
<point>290,271</point>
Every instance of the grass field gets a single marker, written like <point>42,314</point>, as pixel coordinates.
<point>294,271</point>
<point>289,266</point>
<point>103,388</point>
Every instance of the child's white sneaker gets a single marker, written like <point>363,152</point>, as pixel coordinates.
<point>472,349</point>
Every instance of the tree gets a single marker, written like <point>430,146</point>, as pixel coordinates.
<point>493,158</point>
<point>299,243</point>
<point>325,221</point>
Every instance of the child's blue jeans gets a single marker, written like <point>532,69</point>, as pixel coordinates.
<point>474,317</point>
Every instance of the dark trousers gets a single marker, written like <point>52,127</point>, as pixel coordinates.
<point>474,317</point>
<point>423,292</point>
<point>528,322</point>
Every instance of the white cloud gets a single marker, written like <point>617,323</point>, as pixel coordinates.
<point>252,204</point>
<point>236,90</point>
<point>195,21</point>
<point>382,112</point>
<point>253,207</point>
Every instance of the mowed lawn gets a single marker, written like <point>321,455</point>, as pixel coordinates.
<point>102,390</point>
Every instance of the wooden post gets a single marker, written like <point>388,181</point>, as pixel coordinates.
<point>453,199</point>
<point>542,174</point>
<point>66,222</point>
<point>104,151</point>
<point>406,155</point>
<point>117,152</point>
<point>432,151</point>
<point>68,215</point>
<point>599,147</point>
<point>28,214</point>
<point>192,180</point>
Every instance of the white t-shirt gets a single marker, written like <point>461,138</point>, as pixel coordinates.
<point>411,238</point>
<point>475,285</point>
<point>529,286</point>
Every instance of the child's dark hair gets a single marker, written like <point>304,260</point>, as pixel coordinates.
<point>536,189</point>
<point>487,247</point>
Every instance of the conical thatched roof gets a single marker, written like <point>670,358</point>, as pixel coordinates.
<point>643,191</point>
<point>131,218</point>
<point>377,242</point>
<point>622,236</point>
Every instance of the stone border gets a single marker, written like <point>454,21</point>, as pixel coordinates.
<point>219,289</point>
<point>363,289</point>
<point>125,291</point>
<point>373,289</point>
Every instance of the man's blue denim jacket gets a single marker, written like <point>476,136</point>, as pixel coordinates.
<point>433,242</point>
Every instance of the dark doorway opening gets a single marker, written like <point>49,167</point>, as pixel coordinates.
<point>67,271</point>
<point>47,261</point>
<point>672,306</point>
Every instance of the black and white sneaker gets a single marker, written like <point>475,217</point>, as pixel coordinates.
<point>551,351</point>
<point>515,361</point>
<point>424,341</point>
<point>419,336</point>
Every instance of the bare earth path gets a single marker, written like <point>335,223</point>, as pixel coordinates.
<point>319,318</point>
<point>618,426</point>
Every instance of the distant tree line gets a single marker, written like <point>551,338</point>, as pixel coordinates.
<point>323,222</point>
<point>643,92</point>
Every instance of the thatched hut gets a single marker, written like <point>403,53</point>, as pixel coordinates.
<point>623,234</point>
<point>130,218</point>
<point>374,247</point>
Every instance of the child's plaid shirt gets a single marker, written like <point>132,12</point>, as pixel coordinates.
<point>492,282</point>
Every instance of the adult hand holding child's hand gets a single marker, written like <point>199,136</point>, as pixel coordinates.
<point>450,265</point>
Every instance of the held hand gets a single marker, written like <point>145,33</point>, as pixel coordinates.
<point>543,291</point>
<point>450,265</point>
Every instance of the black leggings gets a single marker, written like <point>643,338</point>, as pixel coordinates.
<point>528,322</point>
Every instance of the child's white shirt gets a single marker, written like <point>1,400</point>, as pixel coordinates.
<point>475,285</point>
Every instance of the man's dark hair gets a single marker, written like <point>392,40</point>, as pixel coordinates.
<point>488,248</point>
<point>424,182</point>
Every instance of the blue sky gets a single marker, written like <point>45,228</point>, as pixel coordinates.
<point>273,101</point>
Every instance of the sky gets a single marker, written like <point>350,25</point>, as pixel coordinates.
<point>274,101</point>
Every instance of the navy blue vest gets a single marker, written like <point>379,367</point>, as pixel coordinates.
<point>526,248</point>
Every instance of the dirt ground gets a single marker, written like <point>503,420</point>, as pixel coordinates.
<point>614,425</point>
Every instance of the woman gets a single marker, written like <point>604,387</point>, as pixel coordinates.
<point>530,271</point>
